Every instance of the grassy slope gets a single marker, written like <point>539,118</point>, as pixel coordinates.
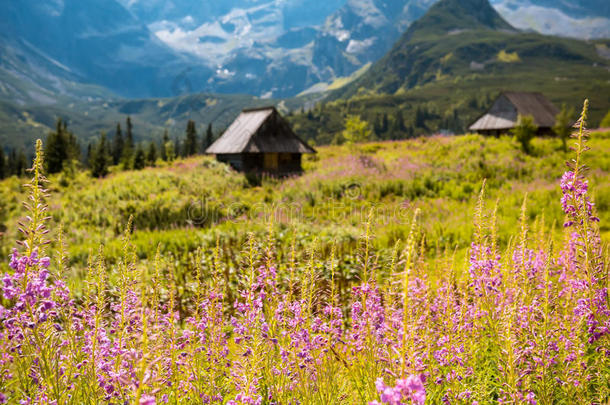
<point>429,58</point>
<point>330,202</point>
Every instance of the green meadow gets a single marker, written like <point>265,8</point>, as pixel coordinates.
<point>197,202</point>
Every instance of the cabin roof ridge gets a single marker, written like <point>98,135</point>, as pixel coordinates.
<point>259,130</point>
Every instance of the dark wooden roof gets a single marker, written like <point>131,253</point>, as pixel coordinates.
<point>509,105</point>
<point>259,130</point>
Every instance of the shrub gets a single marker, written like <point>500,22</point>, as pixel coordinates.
<point>524,132</point>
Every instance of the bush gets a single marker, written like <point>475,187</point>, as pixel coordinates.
<point>524,132</point>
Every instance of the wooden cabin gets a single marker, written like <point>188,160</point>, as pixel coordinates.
<point>504,113</point>
<point>261,141</point>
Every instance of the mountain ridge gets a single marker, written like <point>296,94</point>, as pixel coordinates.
<point>461,14</point>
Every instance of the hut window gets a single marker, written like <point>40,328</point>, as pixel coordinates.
<point>271,161</point>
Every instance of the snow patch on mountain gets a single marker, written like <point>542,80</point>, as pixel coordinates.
<point>356,46</point>
<point>215,41</point>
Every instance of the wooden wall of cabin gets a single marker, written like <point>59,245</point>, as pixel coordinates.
<point>234,160</point>
<point>542,131</point>
<point>278,163</point>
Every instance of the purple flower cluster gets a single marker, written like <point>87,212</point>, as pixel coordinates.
<point>410,390</point>
<point>368,318</point>
<point>31,297</point>
<point>575,199</point>
<point>485,271</point>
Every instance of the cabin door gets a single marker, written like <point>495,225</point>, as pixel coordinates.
<point>271,161</point>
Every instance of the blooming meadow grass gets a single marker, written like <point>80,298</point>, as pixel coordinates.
<point>191,203</point>
<point>527,324</point>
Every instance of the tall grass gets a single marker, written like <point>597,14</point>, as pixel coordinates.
<point>527,324</point>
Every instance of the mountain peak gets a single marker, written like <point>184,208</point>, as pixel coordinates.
<point>448,16</point>
<point>479,11</point>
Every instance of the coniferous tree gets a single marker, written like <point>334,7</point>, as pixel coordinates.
<point>151,155</point>
<point>170,151</point>
<point>61,148</point>
<point>74,150</point>
<point>377,125</point>
<point>605,122</point>
<point>420,118</point>
<point>163,147</point>
<point>11,162</point>
<point>209,138</point>
<point>128,146</point>
<point>89,156</point>
<point>129,136</point>
<point>118,144</point>
<point>190,143</point>
<point>21,163</point>
<point>524,132</point>
<point>3,168</point>
<point>410,132</point>
<point>101,158</point>
<point>356,130</point>
<point>139,160</point>
<point>178,151</point>
<point>398,128</point>
<point>56,149</point>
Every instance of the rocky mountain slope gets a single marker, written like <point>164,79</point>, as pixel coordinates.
<point>96,42</point>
